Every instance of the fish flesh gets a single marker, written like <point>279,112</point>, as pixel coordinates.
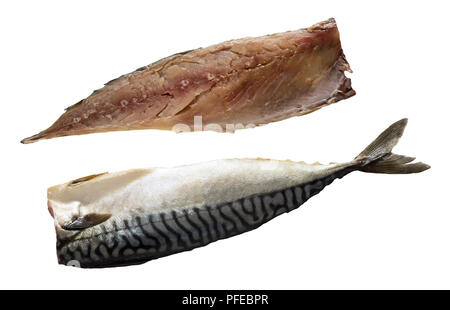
<point>232,85</point>
<point>236,84</point>
<point>130,217</point>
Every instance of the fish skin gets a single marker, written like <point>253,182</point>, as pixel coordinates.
<point>133,216</point>
<point>170,210</point>
<point>249,81</point>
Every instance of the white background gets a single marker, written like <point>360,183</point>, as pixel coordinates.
<point>366,231</point>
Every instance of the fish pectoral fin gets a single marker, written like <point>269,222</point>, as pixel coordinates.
<point>85,221</point>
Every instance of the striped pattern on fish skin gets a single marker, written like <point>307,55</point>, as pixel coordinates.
<point>129,217</point>
<point>250,81</point>
<point>146,237</point>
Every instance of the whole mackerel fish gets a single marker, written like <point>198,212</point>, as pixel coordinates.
<point>130,217</point>
<point>232,85</point>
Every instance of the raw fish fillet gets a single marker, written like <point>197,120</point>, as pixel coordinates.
<point>236,84</point>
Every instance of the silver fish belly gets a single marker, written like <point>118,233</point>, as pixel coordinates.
<point>130,217</point>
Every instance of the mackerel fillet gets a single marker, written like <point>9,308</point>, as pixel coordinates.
<point>236,84</point>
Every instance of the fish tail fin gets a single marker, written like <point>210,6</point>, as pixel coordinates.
<point>377,157</point>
